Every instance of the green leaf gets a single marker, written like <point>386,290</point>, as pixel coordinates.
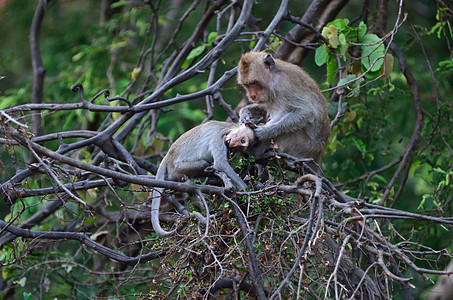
<point>372,48</point>
<point>339,23</point>
<point>253,42</point>
<point>370,74</point>
<point>332,67</point>
<point>22,283</point>
<point>28,296</point>
<point>350,77</point>
<point>135,72</point>
<point>343,50</point>
<point>360,145</point>
<point>436,28</point>
<point>211,37</point>
<point>333,37</point>
<point>388,66</point>
<point>320,55</point>
<point>193,54</point>
<point>333,142</point>
<point>342,39</point>
<point>196,52</point>
<point>119,4</point>
<point>439,170</point>
<point>14,97</point>
<point>362,29</point>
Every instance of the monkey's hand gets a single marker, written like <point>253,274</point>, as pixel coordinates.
<point>262,133</point>
<point>253,113</point>
<point>245,116</point>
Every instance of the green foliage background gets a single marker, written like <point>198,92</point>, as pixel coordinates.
<point>377,125</point>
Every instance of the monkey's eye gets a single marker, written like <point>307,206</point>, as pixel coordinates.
<point>250,83</point>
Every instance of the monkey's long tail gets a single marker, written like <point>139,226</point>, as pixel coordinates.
<point>155,204</point>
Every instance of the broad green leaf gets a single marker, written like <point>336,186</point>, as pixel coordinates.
<point>325,32</point>
<point>381,178</point>
<point>342,39</point>
<point>333,107</point>
<point>436,28</point>
<point>343,50</point>
<point>333,36</point>
<point>362,29</point>
<point>348,78</point>
<point>339,23</point>
<point>370,74</point>
<point>275,43</point>
<point>320,55</point>
<point>372,49</point>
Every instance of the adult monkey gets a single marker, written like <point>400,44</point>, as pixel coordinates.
<point>289,100</point>
<point>196,150</point>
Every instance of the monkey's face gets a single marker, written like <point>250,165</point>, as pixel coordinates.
<point>240,138</point>
<point>256,71</point>
<point>256,92</point>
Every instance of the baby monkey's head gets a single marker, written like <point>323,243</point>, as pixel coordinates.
<point>241,137</point>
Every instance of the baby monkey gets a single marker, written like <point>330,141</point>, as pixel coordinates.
<point>194,151</point>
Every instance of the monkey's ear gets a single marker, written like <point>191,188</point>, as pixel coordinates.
<point>269,62</point>
<point>250,124</point>
<point>243,62</point>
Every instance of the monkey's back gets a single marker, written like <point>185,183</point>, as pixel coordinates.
<point>313,137</point>
<point>195,147</point>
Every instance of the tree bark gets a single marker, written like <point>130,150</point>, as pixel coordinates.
<point>318,14</point>
<point>38,68</point>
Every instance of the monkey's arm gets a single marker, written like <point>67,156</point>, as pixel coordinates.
<point>286,121</point>
<point>227,169</point>
<point>219,152</point>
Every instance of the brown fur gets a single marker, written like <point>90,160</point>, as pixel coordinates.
<point>297,114</point>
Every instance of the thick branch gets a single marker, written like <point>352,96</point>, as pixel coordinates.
<point>319,13</point>
<point>38,68</point>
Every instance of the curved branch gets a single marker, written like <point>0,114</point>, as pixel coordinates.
<point>84,239</point>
